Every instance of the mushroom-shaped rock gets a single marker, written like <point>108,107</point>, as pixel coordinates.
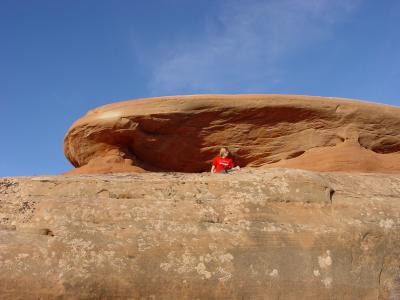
<point>183,134</point>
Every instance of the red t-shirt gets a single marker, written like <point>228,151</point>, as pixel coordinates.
<point>222,164</point>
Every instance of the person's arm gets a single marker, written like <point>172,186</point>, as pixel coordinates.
<point>212,169</point>
<point>214,165</point>
<point>232,166</point>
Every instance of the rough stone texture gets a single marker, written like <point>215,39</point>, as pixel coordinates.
<point>253,234</point>
<point>183,133</point>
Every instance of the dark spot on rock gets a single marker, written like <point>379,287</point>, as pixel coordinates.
<point>295,154</point>
<point>331,193</point>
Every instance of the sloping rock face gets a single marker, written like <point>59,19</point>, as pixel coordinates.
<point>183,133</point>
<point>255,234</point>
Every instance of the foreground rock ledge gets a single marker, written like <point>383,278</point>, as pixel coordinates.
<point>276,234</point>
<point>183,134</point>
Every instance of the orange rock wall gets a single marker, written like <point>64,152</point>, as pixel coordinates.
<point>254,234</point>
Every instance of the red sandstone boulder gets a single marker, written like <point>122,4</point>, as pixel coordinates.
<point>183,133</point>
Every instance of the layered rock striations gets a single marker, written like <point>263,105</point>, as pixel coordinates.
<point>268,231</point>
<point>254,234</point>
<point>183,133</point>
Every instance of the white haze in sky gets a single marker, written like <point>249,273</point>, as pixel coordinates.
<point>245,45</point>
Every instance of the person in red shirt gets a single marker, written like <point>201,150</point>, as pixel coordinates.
<point>222,163</point>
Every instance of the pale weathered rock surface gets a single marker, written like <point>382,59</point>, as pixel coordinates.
<point>253,234</point>
<point>183,133</point>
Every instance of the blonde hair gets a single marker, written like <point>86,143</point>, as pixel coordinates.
<point>223,151</point>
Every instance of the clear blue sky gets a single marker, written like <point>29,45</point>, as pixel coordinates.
<point>60,58</point>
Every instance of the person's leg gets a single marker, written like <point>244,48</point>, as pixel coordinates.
<point>233,169</point>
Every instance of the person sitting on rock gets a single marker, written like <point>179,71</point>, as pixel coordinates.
<point>222,163</point>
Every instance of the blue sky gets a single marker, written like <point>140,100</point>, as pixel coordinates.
<point>60,58</point>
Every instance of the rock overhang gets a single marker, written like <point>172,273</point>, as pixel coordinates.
<point>183,133</point>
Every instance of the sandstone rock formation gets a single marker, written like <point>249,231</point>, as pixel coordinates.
<point>254,234</point>
<point>183,133</point>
